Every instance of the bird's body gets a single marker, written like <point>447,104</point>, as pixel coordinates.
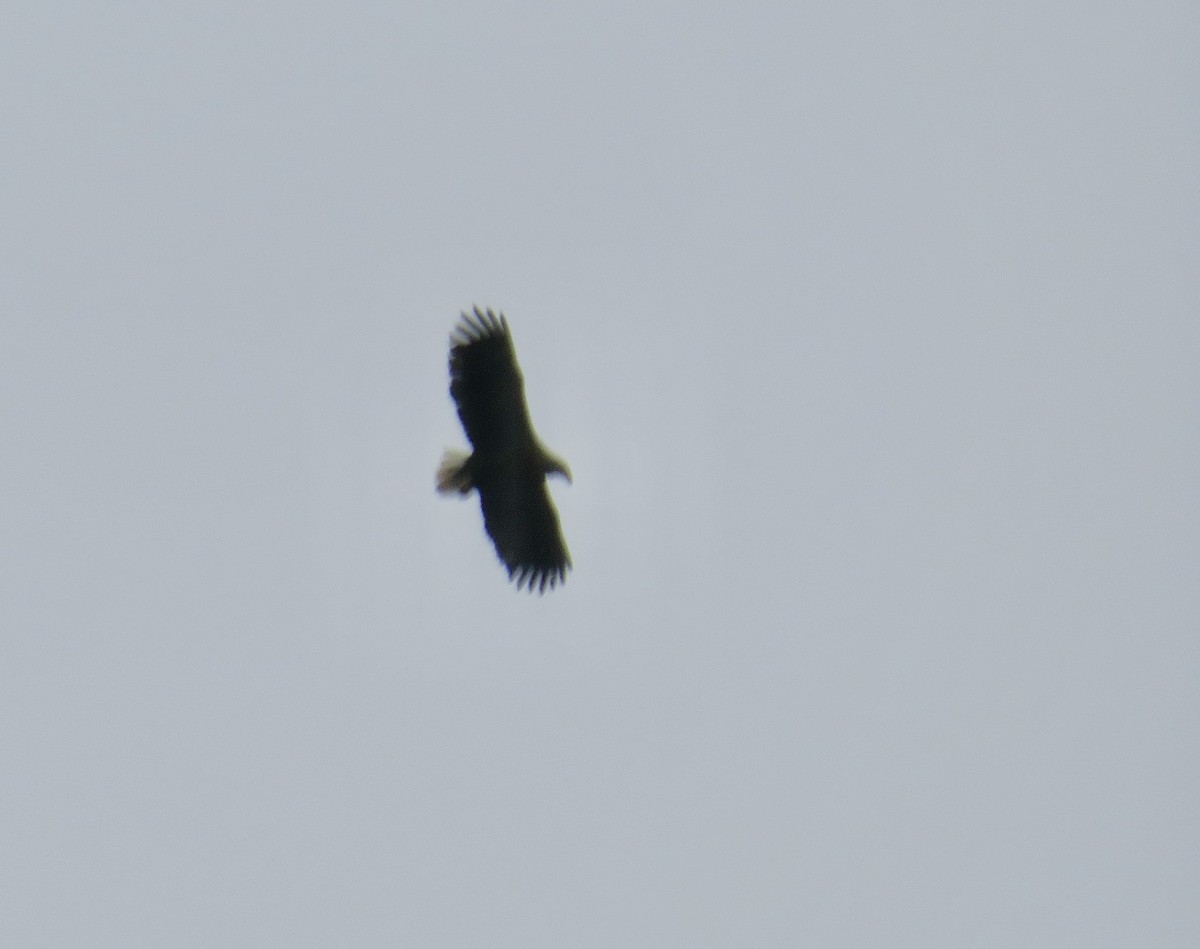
<point>509,464</point>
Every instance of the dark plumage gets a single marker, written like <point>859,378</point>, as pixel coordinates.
<point>509,465</point>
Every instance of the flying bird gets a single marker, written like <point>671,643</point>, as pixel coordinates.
<point>509,464</point>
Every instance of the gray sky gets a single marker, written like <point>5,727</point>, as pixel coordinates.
<point>870,333</point>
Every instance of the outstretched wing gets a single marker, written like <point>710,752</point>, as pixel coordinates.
<point>520,518</point>
<point>486,383</point>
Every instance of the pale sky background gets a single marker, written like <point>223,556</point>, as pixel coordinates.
<point>870,332</point>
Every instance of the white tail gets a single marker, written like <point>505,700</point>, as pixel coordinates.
<point>452,477</point>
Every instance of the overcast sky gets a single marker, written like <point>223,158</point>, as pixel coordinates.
<point>870,332</point>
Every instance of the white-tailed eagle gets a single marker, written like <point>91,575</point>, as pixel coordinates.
<point>509,464</point>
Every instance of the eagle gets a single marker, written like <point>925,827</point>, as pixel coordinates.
<point>509,464</point>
